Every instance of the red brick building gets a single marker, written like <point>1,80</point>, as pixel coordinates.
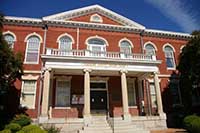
<point>93,60</point>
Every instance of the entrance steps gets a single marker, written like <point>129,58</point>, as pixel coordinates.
<point>100,124</point>
<point>123,126</point>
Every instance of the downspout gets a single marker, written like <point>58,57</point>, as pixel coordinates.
<point>141,42</point>
<point>45,28</point>
<point>77,38</point>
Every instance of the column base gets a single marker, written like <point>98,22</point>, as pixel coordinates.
<point>127,117</point>
<point>43,119</point>
<point>87,119</point>
<point>163,115</point>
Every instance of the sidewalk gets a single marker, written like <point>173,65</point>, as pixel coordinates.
<point>169,130</point>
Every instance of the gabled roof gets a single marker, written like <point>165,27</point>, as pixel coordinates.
<point>91,9</point>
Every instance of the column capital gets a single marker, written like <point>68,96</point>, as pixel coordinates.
<point>47,69</point>
<point>123,71</point>
<point>156,73</point>
<point>87,70</point>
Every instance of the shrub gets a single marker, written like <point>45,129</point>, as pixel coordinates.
<point>51,129</point>
<point>20,131</point>
<point>33,129</point>
<point>13,127</point>
<point>195,126</point>
<point>22,120</point>
<point>192,123</point>
<point>6,131</point>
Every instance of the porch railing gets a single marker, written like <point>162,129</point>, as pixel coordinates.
<point>96,54</point>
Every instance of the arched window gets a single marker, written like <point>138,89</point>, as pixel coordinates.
<point>65,43</point>
<point>32,50</point>
<point>149,49</point>
<point>125,49</point>
<point>96,45</point>
<point>9,39</point>
<point>169,56</point>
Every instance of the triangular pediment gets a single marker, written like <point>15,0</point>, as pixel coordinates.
<point>84,15</point>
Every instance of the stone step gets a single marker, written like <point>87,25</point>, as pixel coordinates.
<point>97,127</point>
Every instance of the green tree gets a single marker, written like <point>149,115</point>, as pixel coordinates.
<point>11,69</point>
<point>189,68</point>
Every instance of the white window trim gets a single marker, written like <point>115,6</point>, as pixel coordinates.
<point>68,79</point>
<point>33,34</point>
<point>170,68</point>
<point>93,20</point>
<point>98,37</point>
<point>151,43</point>
<point>65,34</point>
<point>37,62</point>
<point>181,48</point>
<point>11,33</point>
<point>125,39</point>
<point>33,106</point>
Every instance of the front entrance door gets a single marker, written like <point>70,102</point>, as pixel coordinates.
<point>98,100</point>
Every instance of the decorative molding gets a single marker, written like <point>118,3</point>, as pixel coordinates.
<point>92,18</point>
<point>167,44</point>
<point>65,34</point>
<point>30,77</point>
<point>151,43</point>
<point>125,39</point>
<point>87,70</point>
<point>11,33</point>
<point>99,37</point>
<point>91,9</point>
<point>32,71</point>
<point>33,34</point>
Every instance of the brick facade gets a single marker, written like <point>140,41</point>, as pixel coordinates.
<point>77,81</point>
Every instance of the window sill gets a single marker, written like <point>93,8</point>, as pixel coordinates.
<point>62,108</point>
<point>171,68</point>
<point>133,107</point>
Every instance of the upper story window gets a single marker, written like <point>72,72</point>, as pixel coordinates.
<point>10,38</point>
<point>125,49</point>
<point>32,50</point>
<point>65,43</point>
<point>96,45</point>
<point>149,49</point>
<point>169,56</point>
<point>96,18</point>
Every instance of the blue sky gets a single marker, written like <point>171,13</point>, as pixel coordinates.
<point>171,15</point>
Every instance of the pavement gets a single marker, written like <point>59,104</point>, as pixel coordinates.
<point>169,130</point>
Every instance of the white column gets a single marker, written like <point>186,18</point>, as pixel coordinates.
<point>45,96</point>
<point>126,114</point>
<point>87,116</point>
<point>158,94</point>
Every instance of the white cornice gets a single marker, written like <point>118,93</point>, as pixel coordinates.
<point>94,8</point>
<point>22,19</point>
<point>166,33</point>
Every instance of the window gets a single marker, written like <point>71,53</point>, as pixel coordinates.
<point>153,94</point>
<point>62,93</point>
<point>96,18</point>
<point>28,93</point>
<point>97,47</point>
<point>131,92</point>
<point>169,55</point>
<point>125,49</point>
<point>9,39</point>
<point>149,49</point>
<point>65,43</point>
<point>32,50</point>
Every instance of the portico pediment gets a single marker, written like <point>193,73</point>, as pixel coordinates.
<point>94,14</point>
